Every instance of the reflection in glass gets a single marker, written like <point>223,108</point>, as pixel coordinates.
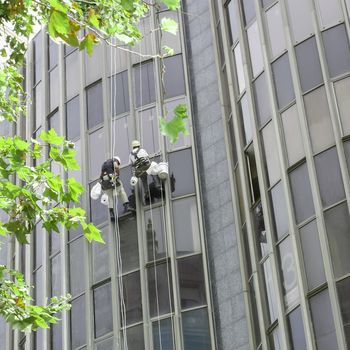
<point>144,84</point>
<point>129,244</point>
<point>322,316</point>
<point>270,291</point>
<point>280,216</point>
<point>289,276</point>
<point>276,31</point>
<point>119,89</point>
<point>156,244</point>
<point>239,68</point>
<point>342,89</point>
<point>296,330</point>
<point>135,338</point>
<point>72,69</point>
<point>121,138</point>
<point>105,345</point>
<point>232,21</point>
<point>102,310</point>
<point>77,321</point>
<point>248,11</point>
<point>186,226</point>
<point>73,118</point>
<point>191,280</point>
<point>260,231</point>
<point>96,153</point>
<point>162,334</point>
<point>245,119</point>
<point>159,290</point>
<point>275,339</point>
<point>262,100</point>
<point>132,298</point>
<point>98,211</point>
<point>94,102</point>
<point>56,275</point>
<point>196,330</point>
<point>330,13</point>
<point>255,49</point>
<point>76,266</point>
<point>100,258</point>
<point>149,130</point>
<point>174,76</point>
<point>313,260</point>
<point>343,288</point>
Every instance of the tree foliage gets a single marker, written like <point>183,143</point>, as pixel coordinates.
<point>38,195</point>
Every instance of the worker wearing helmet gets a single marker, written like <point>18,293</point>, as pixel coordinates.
<point>112,185</point>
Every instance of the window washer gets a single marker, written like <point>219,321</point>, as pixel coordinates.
<point>112,185</point>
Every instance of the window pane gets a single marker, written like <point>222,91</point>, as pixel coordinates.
<point>96,153</point>
<point>102,310</point>
<point>347,153</point>
<point>53,53</point>
<point>191,280</point>
<point>38,246</point>
<point>77,174</point>
<point>129,244</point>
<point>174,76</point>
<point>342,89</point>
<point>344,301</point>
<point>162,334</point>
<point>300,19</point>
<point>296,330</point>
<point>262,100</point>
<point>37,52</point>
<point>329,177</point>
<point>100,258</point>
<point>119,89</point>
<point>73,118</point>
<point>271,154</point>
<point>330,13</point>
<point>76,266</point>
<point>313,260</point>
<point>260,231</point>
<point>337,50</point>
<point>270,290</point>
<point>156,245</point>
<point>93,66</point>
<point>255,49</point>
<point>319,119</point>
<point>39,286</point>
<point>124,176</point>
<point>144,84</point>
<point>239,68</point>
<point>56,275</point>
<point>309,66</point>
<point>159,290</point>
<point>245,119</point>
<point>196,330</point>
<point>78,327</point>
<point>98,211</point>
<point>292,135</point>
<point>38,106</point>
<point>94,102</point>
<point>132,298</point>
<point>321,311</point>
<point>289,275</point>
<point>105,345</point>
<point>275,339</point>
<point>149,130</point>
<point>248,10</point>
<point>253,174</point>
<point>186,226</point>
<point>54,89</point>
<point>135,338</point>
<point>73,79</point>
<point>255,322</point>
<point>122,138</point>
<point>232,21</point>
<point>338,228</point>
<point>301,191</point>
<point>283,81</point>
<point>280,216</point>
<point>56,335</point>
<point>276,31</point>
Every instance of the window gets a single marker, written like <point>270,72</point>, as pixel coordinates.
<point>53,53</point>
<point>276,30</point>
<point>77,174</point>
<point>144,84</point>
<point>56,275</point>
<point>37,53</point>
<point>347,153</point>
<point>321,311</point>
<point>300,19</point>
<point>266,3</point>
<point>196,335</point>
<point>338,227</point>
<point>105,345</point>
<point>301,191</point>
<point>262,100</point>
<point>159,290</point>
<point>98,211</point>
<point>309,66</point>
<point>56,335</point>
<point>329,177</point>
<point>260,231</point>
<point>312,255</point>
<point>329,13</point>
<point>283,81</point>
<point>319,119</point>
<point>254,311</point>
<point>93,66</point>
<point>122,137</point>
<point>162,334</point>
<point>78,327</point>
<point>96,153</point>
<point>100,258</point>
<point>232,21</point>
<point>76,266</point>
<point>135,338</point>
<point>255,49</point>
<point>149,130</point>
<point>174,76</point>
<point>181,173</point>
<point>54,88</point>
<point>337,50</point>
<point>280,216</point>
<point>343,294</point>
<point>253,174</point>
<point>248,10</point>
<point>271,153</point>
<point>292,135</point>
<point>37,97</point>
<point>342,89</point>
<point>132,298</point>
<point>119,89</point>
<point>245,119</point>
<point>73,118</point>
<point>239,68</point>
<point>129,244</point>
<point>102,310</point>
<point>73,79</point>
<point>275,339</point>
<point>270,291</point>
<point>296,330</point>
<point>94,101</point>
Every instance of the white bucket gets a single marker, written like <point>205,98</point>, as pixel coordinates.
<point>163,170</point>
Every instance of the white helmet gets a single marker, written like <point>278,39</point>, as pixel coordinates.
<point>135,144</point>
<point>117,159</point>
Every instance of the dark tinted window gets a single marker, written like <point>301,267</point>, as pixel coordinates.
<point>132,298</point>
<point>56,275</point>
<point>280,215</point>
<point>100,258</point>
<point>296,330</point>
<point>162,334</point>
<point>76,266</point>
<point>129,244</point>
<point>94,102</point>
<point>103,310</point>
<point>344,300</point>
<point>119,90</point>
<point>174,76</point>
<point>144,84</point>
<point>98,211</point>
<point>78,327</point>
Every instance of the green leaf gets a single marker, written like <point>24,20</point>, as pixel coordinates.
<point>172,4</point>
<point>92,233</point>
<point>75,189</point>
<point>57,5</point>
<point>88,43</point>
<point>59,22</point>
<point>168,50</point>
<point>169,25</point>
<point>51,137</point>
<point>128,5</point>
<point>176,125</point>
<point>93,19</point>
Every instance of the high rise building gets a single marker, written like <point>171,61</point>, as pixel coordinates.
<point>248,247</point>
